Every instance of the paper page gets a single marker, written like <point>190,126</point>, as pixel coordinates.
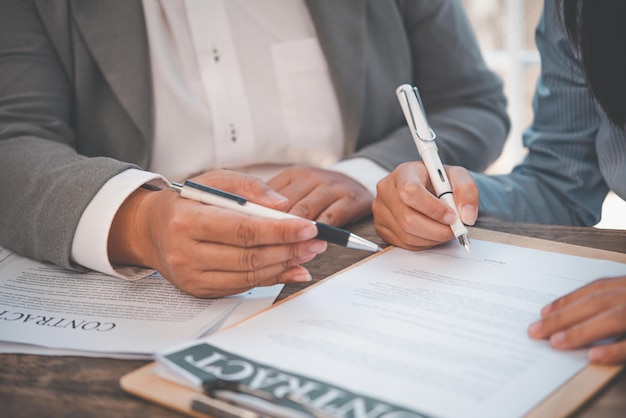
<point>45,305</point>
<point>440,332</point>
<point>253,301</point>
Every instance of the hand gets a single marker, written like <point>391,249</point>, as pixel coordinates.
<point>591,313</point>
<point>322,195</point>
<point>407,214</point>
<point>208,251</point>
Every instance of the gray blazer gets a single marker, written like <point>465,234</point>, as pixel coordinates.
<point>76,100</point>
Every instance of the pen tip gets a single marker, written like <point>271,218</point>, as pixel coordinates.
<point>464,241</point>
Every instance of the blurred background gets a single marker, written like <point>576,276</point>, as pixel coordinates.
<point>505,31</point>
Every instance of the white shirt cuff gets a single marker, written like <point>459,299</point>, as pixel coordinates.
<point>89,248</point>
<point>363,170</point>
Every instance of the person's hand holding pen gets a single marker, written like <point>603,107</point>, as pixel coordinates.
<point>408,214</point>
<point>423,204</point>
<point>208,251</point>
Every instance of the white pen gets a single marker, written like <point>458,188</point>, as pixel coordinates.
<point>424,138</point>
<point>217,197</point>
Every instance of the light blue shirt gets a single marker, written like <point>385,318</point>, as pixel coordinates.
<point>574,155</point>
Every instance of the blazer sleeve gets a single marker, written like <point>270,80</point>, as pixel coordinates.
<point>560,181</point>
<point>45,184</point>
<point>463,98</point>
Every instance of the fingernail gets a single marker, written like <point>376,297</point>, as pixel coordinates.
<point>302,278</point>
<point>275,197</point>
<point>307,257</point>
<point>469,214</point>
<point>317,247</point>
<point>449,218</point>
<point>308,232</point>
<point>535,330</point>
<point>596,354</point>
<point>558,339</point>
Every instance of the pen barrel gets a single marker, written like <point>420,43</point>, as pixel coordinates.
<point>332,234</point>
<point>442,186</point>
<point>223,199</point>
<point>248,208</point>
<point>436,172</point>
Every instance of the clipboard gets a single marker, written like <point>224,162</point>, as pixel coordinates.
<point>145,383</point>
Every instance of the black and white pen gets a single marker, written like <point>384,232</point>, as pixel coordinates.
<point>217,197</point>
<point>424,139</point>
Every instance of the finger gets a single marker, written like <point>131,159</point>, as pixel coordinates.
<point>210,256</point>
<point>310,205</point>
<point>414,227</point>
<point>413,188</point>
<point>609,323</point>
<point>465,193</point>
<point>582,292</point>
<point>329,206</point>
<point>293,183</point>
<point>608,354</point>
<point>282,179</point>
<point>577,312</point>
<point>212,283</point>
<point>346,210</point>
<point>407,228</point>
<point>213,224</point>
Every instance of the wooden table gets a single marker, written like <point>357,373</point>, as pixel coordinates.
<point>46,386</point>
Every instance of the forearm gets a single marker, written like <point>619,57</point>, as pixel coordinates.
<point>470,135</point>
<point>48,187</point>
<point>531,197</point>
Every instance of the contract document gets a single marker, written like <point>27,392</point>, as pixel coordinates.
<point>441,333</point>
<point>45,309</point>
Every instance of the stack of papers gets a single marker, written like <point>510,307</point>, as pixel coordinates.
<point>45,309</point>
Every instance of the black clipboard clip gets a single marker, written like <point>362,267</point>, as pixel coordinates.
<point>231,399</point>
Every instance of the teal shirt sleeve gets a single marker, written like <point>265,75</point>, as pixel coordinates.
<point>561,179</point>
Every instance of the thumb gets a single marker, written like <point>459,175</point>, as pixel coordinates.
<point>465,193</point>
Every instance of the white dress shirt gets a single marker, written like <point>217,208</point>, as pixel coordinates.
<point>241,85</point>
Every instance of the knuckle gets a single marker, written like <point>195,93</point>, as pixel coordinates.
<point>294,251</point>
<point>406,190</point>
<point>251,278</point>
<point>406,221</point>
<point>351,195</point>
<point>304,210</point>
<point>331,218</point>
<point>175,260</point>
<point>177,223</point>
<point>251,259</point>
<point>382,186</point>
<point>316,175</point>
<point>287,264</point>
<point>246,234</point>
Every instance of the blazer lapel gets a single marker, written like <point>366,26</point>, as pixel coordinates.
<point>341,31</point>
<point>116,35</point>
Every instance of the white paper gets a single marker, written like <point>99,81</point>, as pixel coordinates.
<point>48,310</point>
<point>441,332</point>
<point>253,301</point>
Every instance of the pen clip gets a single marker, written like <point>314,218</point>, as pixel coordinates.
<point>208,189</point>
<point>414,112</point>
